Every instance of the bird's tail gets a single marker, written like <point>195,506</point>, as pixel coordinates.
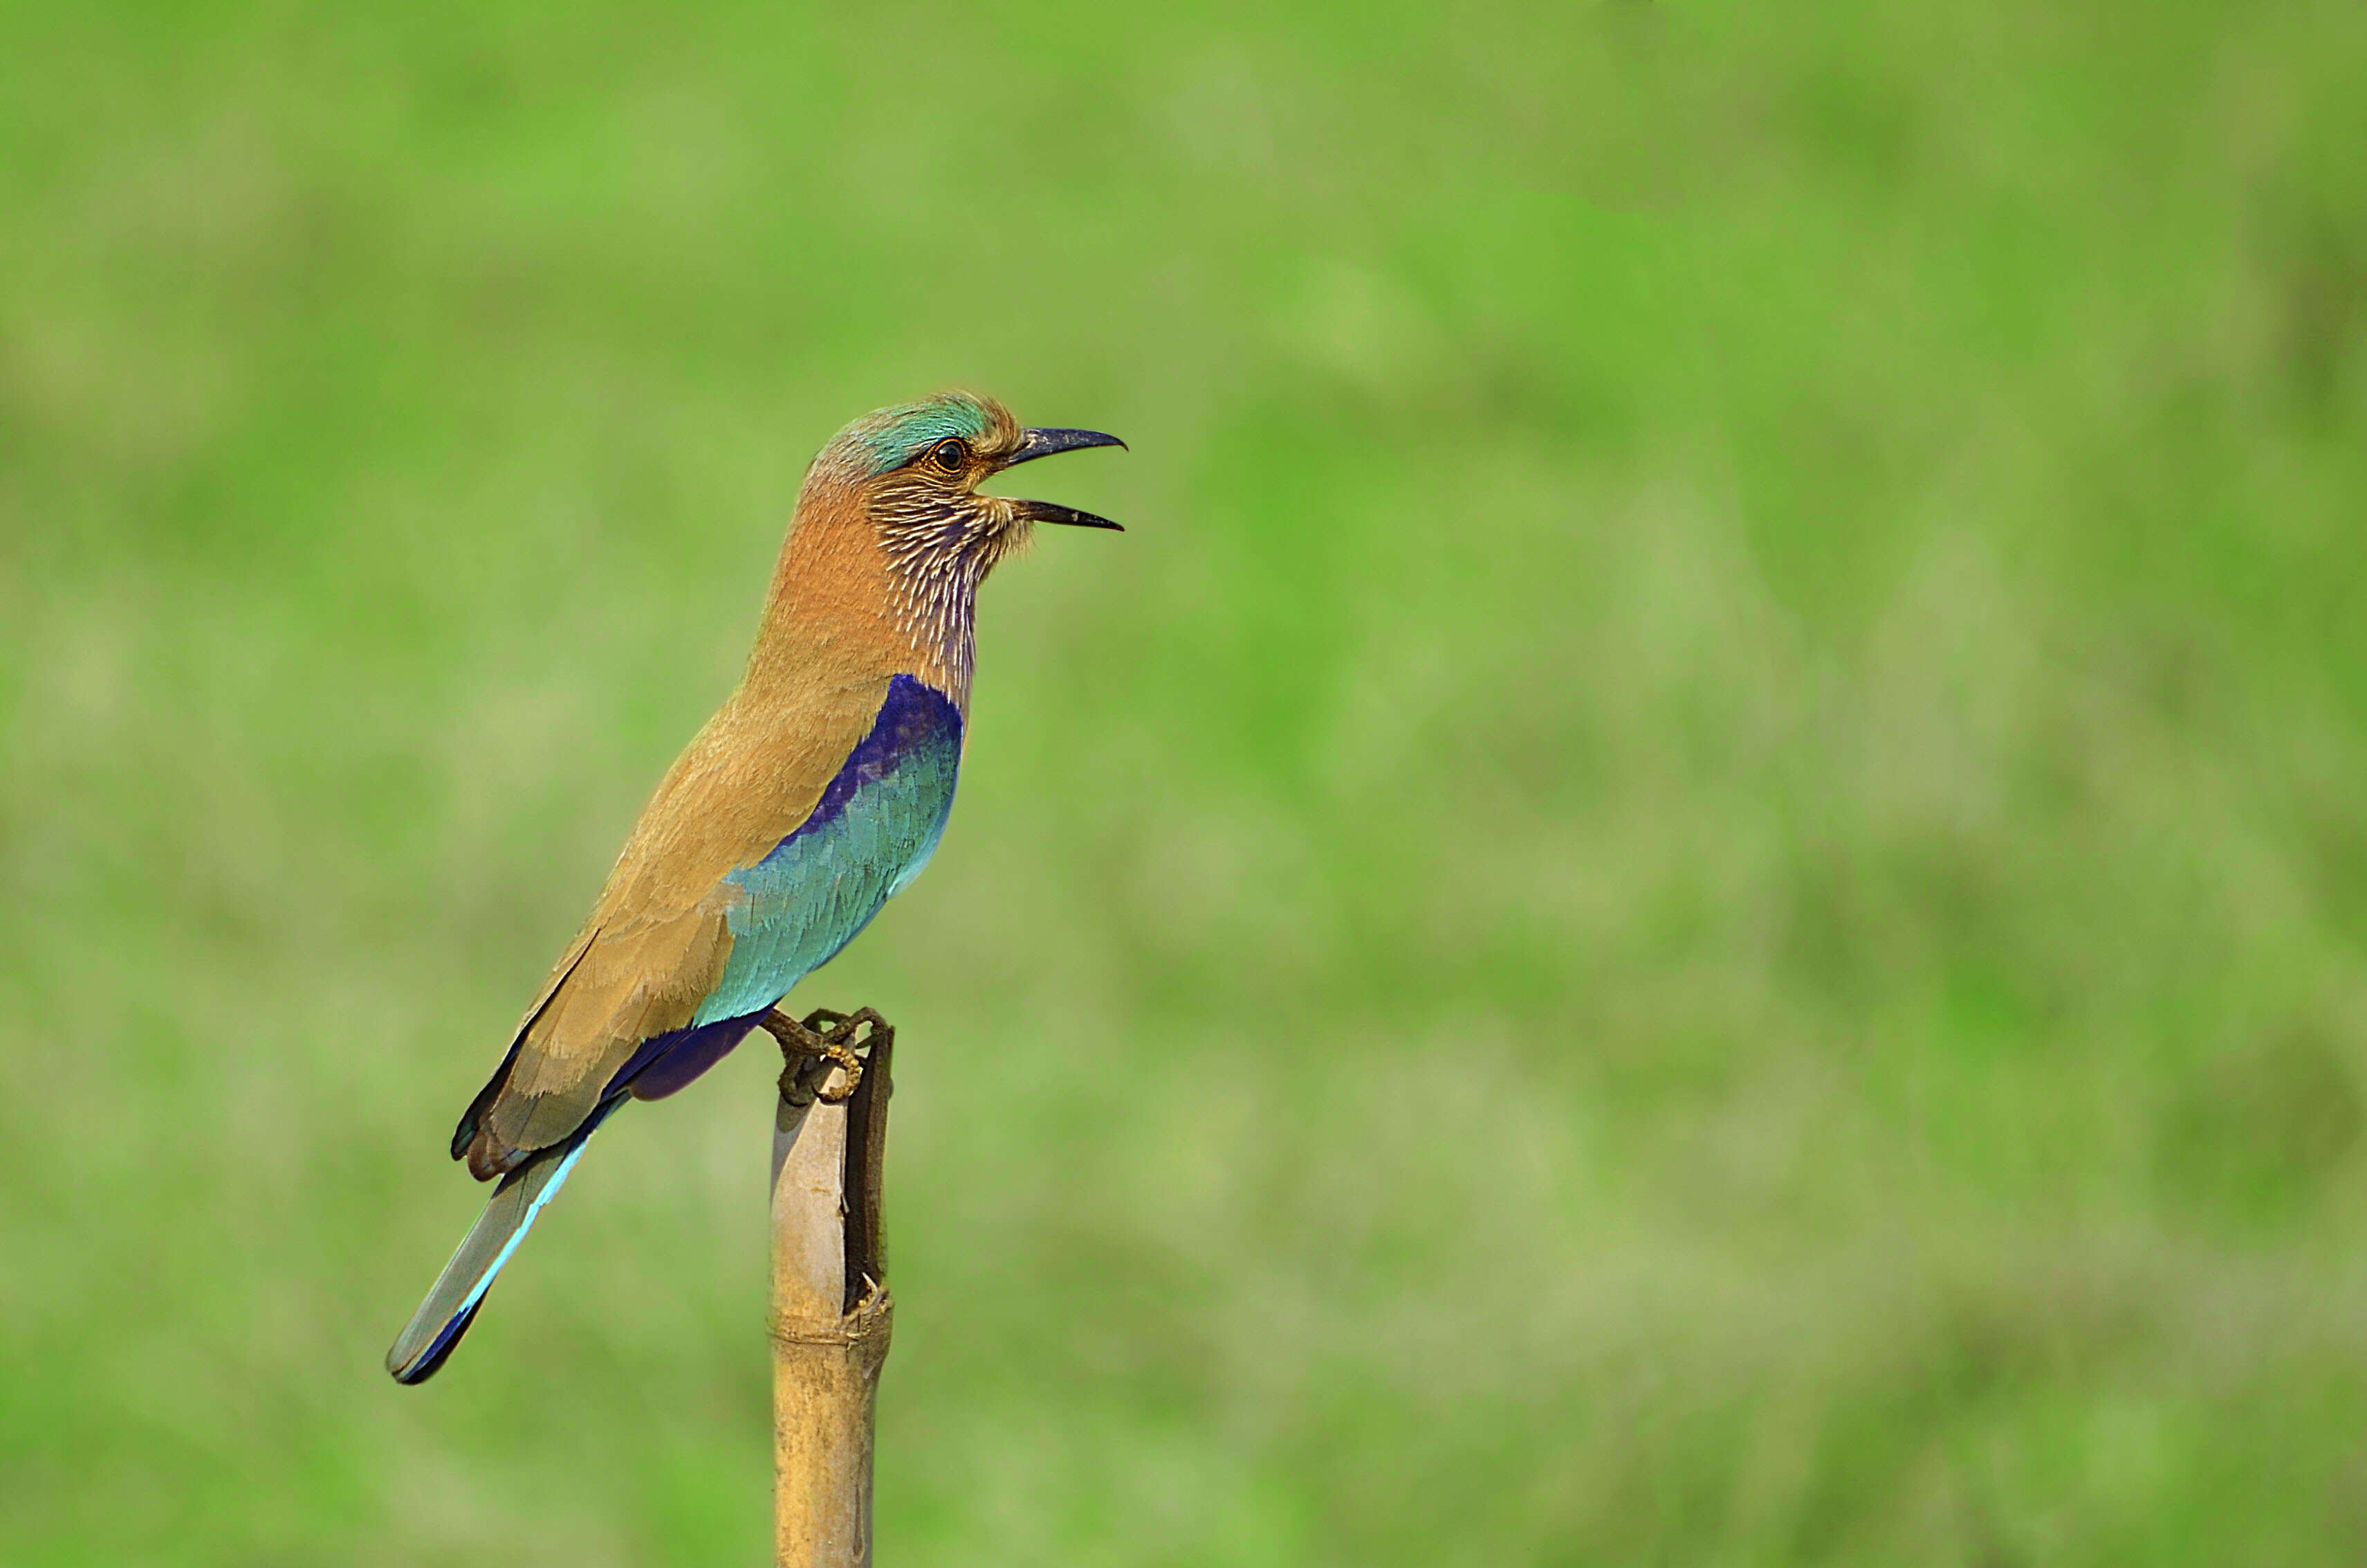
<point>451,1305</point>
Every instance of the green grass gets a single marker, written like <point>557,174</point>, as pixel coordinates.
<point>1694,893</point>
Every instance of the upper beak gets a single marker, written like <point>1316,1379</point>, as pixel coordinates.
<point>1034,444</point>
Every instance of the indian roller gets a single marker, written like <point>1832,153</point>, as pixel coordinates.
<point>815,794</point>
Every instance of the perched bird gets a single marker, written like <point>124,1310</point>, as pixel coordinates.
<point>815,795</point>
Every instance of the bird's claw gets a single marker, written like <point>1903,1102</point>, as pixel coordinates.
<point>853,1067</point>
<point>810,1048</point>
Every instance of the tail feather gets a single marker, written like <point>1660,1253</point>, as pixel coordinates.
<point>451,1305</point>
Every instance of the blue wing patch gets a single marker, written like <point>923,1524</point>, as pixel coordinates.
<point>869,835</point>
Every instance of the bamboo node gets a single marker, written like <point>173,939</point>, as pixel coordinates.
<point>868,1321</point>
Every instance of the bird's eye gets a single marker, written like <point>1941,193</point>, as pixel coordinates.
<point>949,455</point>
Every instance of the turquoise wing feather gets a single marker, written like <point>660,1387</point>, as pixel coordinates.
<point>870,834</point>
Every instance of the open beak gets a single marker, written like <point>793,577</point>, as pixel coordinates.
<point>1034,444</point>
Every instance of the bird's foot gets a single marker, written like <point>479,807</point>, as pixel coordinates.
<point>811,1048</point>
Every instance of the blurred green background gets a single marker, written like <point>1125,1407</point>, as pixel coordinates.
<point>1694,893</point>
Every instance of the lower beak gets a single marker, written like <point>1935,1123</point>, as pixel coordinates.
<point>1034,444</point>
<point>1052,512</point>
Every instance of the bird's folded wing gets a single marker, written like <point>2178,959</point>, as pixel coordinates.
<point>872,831</point>
<point>768,845</point>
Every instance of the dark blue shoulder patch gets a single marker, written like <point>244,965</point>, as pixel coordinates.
<point>915,717</point>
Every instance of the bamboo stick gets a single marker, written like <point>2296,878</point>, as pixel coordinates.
<point>831,1312</point>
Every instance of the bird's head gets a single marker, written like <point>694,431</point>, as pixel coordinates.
<point>917,467</point>
<point>911,475</point>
